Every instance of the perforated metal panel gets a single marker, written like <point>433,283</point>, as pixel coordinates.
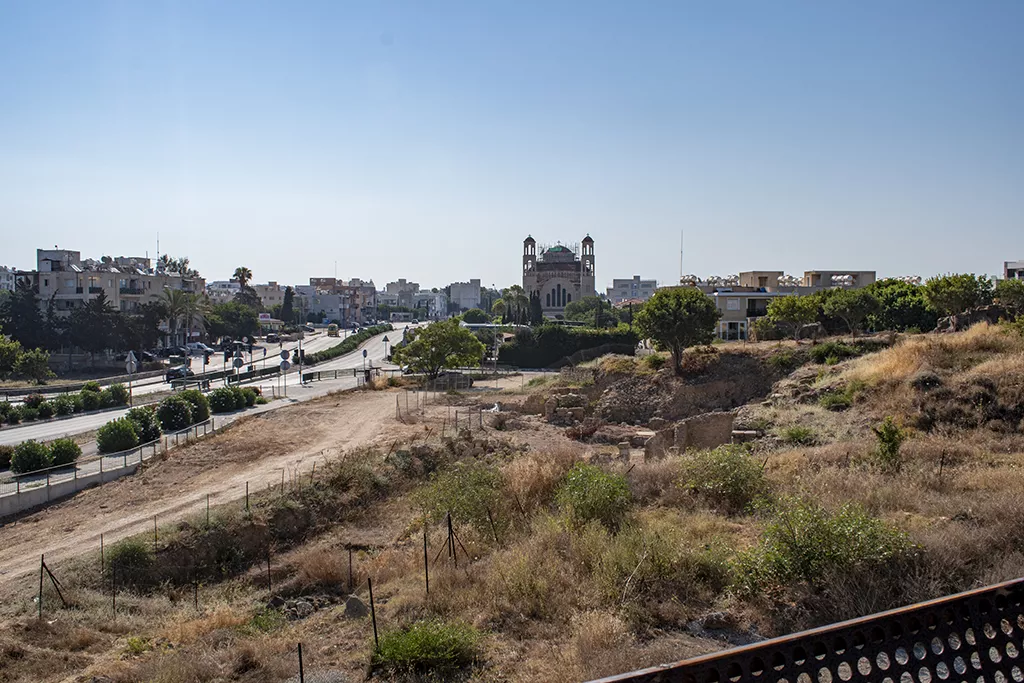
<point>974,636</point>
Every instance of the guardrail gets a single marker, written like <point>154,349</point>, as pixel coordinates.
<point>975,635</point>
<point>19,492</point>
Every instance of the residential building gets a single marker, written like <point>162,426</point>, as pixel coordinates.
<point>270,294</point>
<point>743,298</point>
<point>635,288</point>
<point>435,304</point>
<point>361,297</point>
<point>386,299</point>
<point>8,279</point>
<point>559,275</point>
<point>403,290</point>
<point>464,295</point>
<point>222,291</point>
<point>1013,270</point>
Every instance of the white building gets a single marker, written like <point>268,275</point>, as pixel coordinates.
<point>634,288</point>
<point>1013,270</point>
<point>435,303</point>
<point>222,291</point>
<point>7,279</point>
<point>465,295</point>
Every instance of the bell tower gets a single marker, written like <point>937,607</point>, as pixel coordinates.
<point>587,266</point>
<point>529,263</point>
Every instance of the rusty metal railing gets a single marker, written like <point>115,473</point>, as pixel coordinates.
<point>972,636</point>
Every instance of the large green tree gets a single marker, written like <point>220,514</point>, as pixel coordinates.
<point>93,327</point>
<point>594,312</point>
<point>852,306</point>
<point>20,317</point>
<point>10,351</point>
<point>232,319</point>
<point>440,345</point>
<point>793,312</point>
<point>958,293</point>
<point>1010,295</point>
<point>901,306</point>
<point>677,318</point>
<point>242,276</point>
<point>288,306</point>
<point>34,364</point>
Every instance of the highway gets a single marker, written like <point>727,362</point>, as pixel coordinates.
<point>54,429</point>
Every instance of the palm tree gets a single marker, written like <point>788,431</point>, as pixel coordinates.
<point>195,310</point>
<point>517,301</point>
<point>177,304</point>
<point>243,275</point>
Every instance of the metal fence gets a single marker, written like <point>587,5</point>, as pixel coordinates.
<point>90,470</point>
<point>975,636</point>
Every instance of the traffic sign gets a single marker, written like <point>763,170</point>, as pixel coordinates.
<point>131,365</point>
<point>285,365</point>
<point>238,363</point>
<point>285,355</point>
<point>385,339</point>
<point>364,353</point>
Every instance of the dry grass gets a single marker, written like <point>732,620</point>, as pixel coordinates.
<point>532,480</point>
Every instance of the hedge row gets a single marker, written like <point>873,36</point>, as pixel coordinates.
<point>548,344</point>
<point>347,346</point>
<point>31,456</point>
<point>37,407</point>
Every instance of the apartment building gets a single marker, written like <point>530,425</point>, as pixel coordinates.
<point>630,289</point>
<point>222,291</point>
<point>270,294</point>
<point>8,279</point>
<point>435,303</point>
<point>743,298</point>
<point>402,289</point>
<point>465,295</point>
<point>1013,270</point>
<point>360,295</point>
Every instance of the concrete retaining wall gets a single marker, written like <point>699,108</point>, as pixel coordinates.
<point>29,498</point>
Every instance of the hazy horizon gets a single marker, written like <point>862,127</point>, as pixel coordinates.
<point>426,141</point>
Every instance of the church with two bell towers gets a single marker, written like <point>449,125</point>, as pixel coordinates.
<point>558,274</point>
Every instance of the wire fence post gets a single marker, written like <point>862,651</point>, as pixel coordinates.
<point>207,510</point>
<point>351,586</point>
<point>373,613</point>
<point>40,598</point>
<point>426,566</point>
<point>270,584</point>
<point>246,496</point>
<point>302,677</point>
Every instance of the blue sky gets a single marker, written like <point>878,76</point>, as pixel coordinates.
<point>427,139</point>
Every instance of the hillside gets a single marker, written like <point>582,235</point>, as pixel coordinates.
<point>570,562</point>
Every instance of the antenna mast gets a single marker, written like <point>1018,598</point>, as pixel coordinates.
<point>680,255</point>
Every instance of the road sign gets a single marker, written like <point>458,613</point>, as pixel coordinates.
<point>364,353</point>
<point>285,355</point>
<point>245,340</point>
<point>264,352</point>
<point>285,365</point>
<point>385,340</point>
<point>238,363</point>
<point>131,365</point>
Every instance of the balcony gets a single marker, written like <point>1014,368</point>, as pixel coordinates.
<point>134,291</point>
<point>95,290</point>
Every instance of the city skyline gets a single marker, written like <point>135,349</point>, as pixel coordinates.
<point>426,142</point>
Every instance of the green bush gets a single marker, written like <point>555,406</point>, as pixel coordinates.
<point>119,394</point>
<point>91,386</point>
<point>131,561</point>
<point>46,410</point>
<point>64,452</point>
<point>467,490</point>
<point>239,396</point>
<point>821,353</point>
<point>798,436</point>
<point>435,648</point>
<point>116,436</point>
<point>200,404</point>
<point>348,345</point>
<point>887,452</point>
<point>550,343</point>
<point>654,361</point>
<point>222,400</point>
<point>77,405</point>
<point>803,541</point>
<point>5,409</point>
<point>262,400</point>
<point>33,400</point>
<point>835,400</point>
<point>174,413</point>
<point>29,414</point>
<point>91,400</point>
<point>30,456</point>
<point>784,361</point>
<point>63,405</point>
<point>590,493</point>
<point>13,415</point>
<point>727,477</point>
<point>6,451</point>
<point>250,396</point>
<point>106,399</point>
<point>147,427</point>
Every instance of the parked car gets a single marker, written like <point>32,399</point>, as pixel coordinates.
<point>273,338</point>
<point>197,349</point>
<point>309,328</point>
<point>169,351</point>
<point>415,321</point>
<point>180,372</point>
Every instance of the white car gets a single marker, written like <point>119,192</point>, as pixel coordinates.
<point>198,349</point>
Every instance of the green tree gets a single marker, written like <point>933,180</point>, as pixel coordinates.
<point>20,317</point>
<point>852,306</point>
<point>1010,295</point>
<point>517,303</point>
<point>232,319</point>
<point>242,276</point>
<point>901,306</point>
<point>92,327</point>
<point>536,311</point>
<point>958,293</point>
<point>593,311</point>
<point>34,365</point>
<point>288,307</point>
<point>793,312</point>
<point>10,350</point>
<point>175,306</point>
<point>440,345</point>
<point>498,307</point>
<point>475,316</point>
<point>677,318</point>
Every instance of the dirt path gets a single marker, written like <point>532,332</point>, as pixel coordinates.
<point>255,450</point>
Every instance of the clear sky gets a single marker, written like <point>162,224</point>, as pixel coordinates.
<point>426,139</point>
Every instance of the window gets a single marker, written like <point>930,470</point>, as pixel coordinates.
<point>69,283</point>
<point>732,304</point>
<point>46,282</point>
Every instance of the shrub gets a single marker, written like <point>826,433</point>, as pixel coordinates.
<point>803,541</point>
<point>6,451</point>
<point>250,396</point>
<point>131,561</point>
<point>46,410</point>
<point>146,425</point>
<point>200,404</point>
<point>239,396</point>
<point>262,400</point>
<point>13,415</point>
<point>798,436</point>
<point>119,394</point>
<point>63,405</point>
<point>106,399</point>
<point>835,400</point>
<point>820,353</point>
<point>784,361</point>
<point>91,386</point>
<point>77,405</point>
<point>887,451</point>
<point>727,477</point>
<point>5,409</point>
<point>348,345</point>
<point>29,414</point>
<point>116,436</point>
<point>427,647</point>
<point>222,400</point>
<point>590,493</point>
<point>64,451</point>
<point>174,413</point>
<point>30,456</point>
<point>467,490</point>
<point>91,400</point>
<point>654,361</point>
<point>33,400</point>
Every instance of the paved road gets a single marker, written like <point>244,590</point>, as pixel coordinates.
<point>54,429</point>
